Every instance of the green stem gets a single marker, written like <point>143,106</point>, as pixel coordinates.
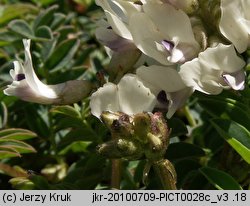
<point>116,174</point>
<point>5,115</point>
<point>189,117</point>
<point>166,172</point>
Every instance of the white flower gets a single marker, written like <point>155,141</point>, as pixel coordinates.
<point>235,22</point>
<point>28,87</point>
<point>110,39</point>
<point>118,13</point>
<point>215,69</point>
<point>129,96</point>
<point>163,33</point>
<point>167,85</point>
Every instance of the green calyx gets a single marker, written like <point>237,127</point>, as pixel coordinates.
<point>134,137</point>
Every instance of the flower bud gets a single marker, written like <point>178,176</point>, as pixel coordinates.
<point>141,126</point>
<point>109,117</point>
<point>133,137</point>
<point>121,148</point>
<point>158,138</point>
<point>210,13</point>
<point>118,123</point>
<point>200,32</point>
<point>189,6</point>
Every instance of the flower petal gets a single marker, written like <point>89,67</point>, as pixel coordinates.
<point>134,97</point>
<point>30,75</point>
<point>18,67</point>
<point>162,77</point>
<point>170,21</point>
<point>236,80</point>
<point>129,96</point>
<point>124,9</point>
<point>118,13</point>
<point>104,99</point>
<point>205,72</point>
<point>160,24</point>
<point>22,90</point>
<point>113,41</point>
<point>222,57</point>
<point>232,25</point>
<point>118,26</point>
<point>120,8</point>
<point>201,78</point>
<point>148,41</point>
<point>177,100</point>
<point>28,87</point>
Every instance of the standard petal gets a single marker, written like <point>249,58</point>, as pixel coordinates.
<point>147,38</point>
<point>222,57</point>
<point>245,8</point>
<point>118,26</point>
<point>232,13</point>
<point>174,24</point>
<point>30,75</point>
<point>134,97</point>
<point>170,21</point>
<point>164,33</point>
<point>164,78</point>
<point>105,99</point>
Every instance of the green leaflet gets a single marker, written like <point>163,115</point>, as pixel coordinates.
<point>220,179</point>
<point>236,135</point>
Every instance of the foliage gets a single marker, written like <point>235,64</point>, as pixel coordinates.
<point>54,147</point>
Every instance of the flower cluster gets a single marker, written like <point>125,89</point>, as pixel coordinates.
<point>161,52</point>
<point>182,51</point>
<point>142,134</point>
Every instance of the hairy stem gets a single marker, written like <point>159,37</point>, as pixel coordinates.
<point>116,174</point>
<point>166,172</point>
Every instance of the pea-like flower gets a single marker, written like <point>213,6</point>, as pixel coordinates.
<point>28,87</point>
<point>165,83</point>
<point>164,33</point>
<point>129,96</point>
<point>235,23</point>
<point>215,69</point>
